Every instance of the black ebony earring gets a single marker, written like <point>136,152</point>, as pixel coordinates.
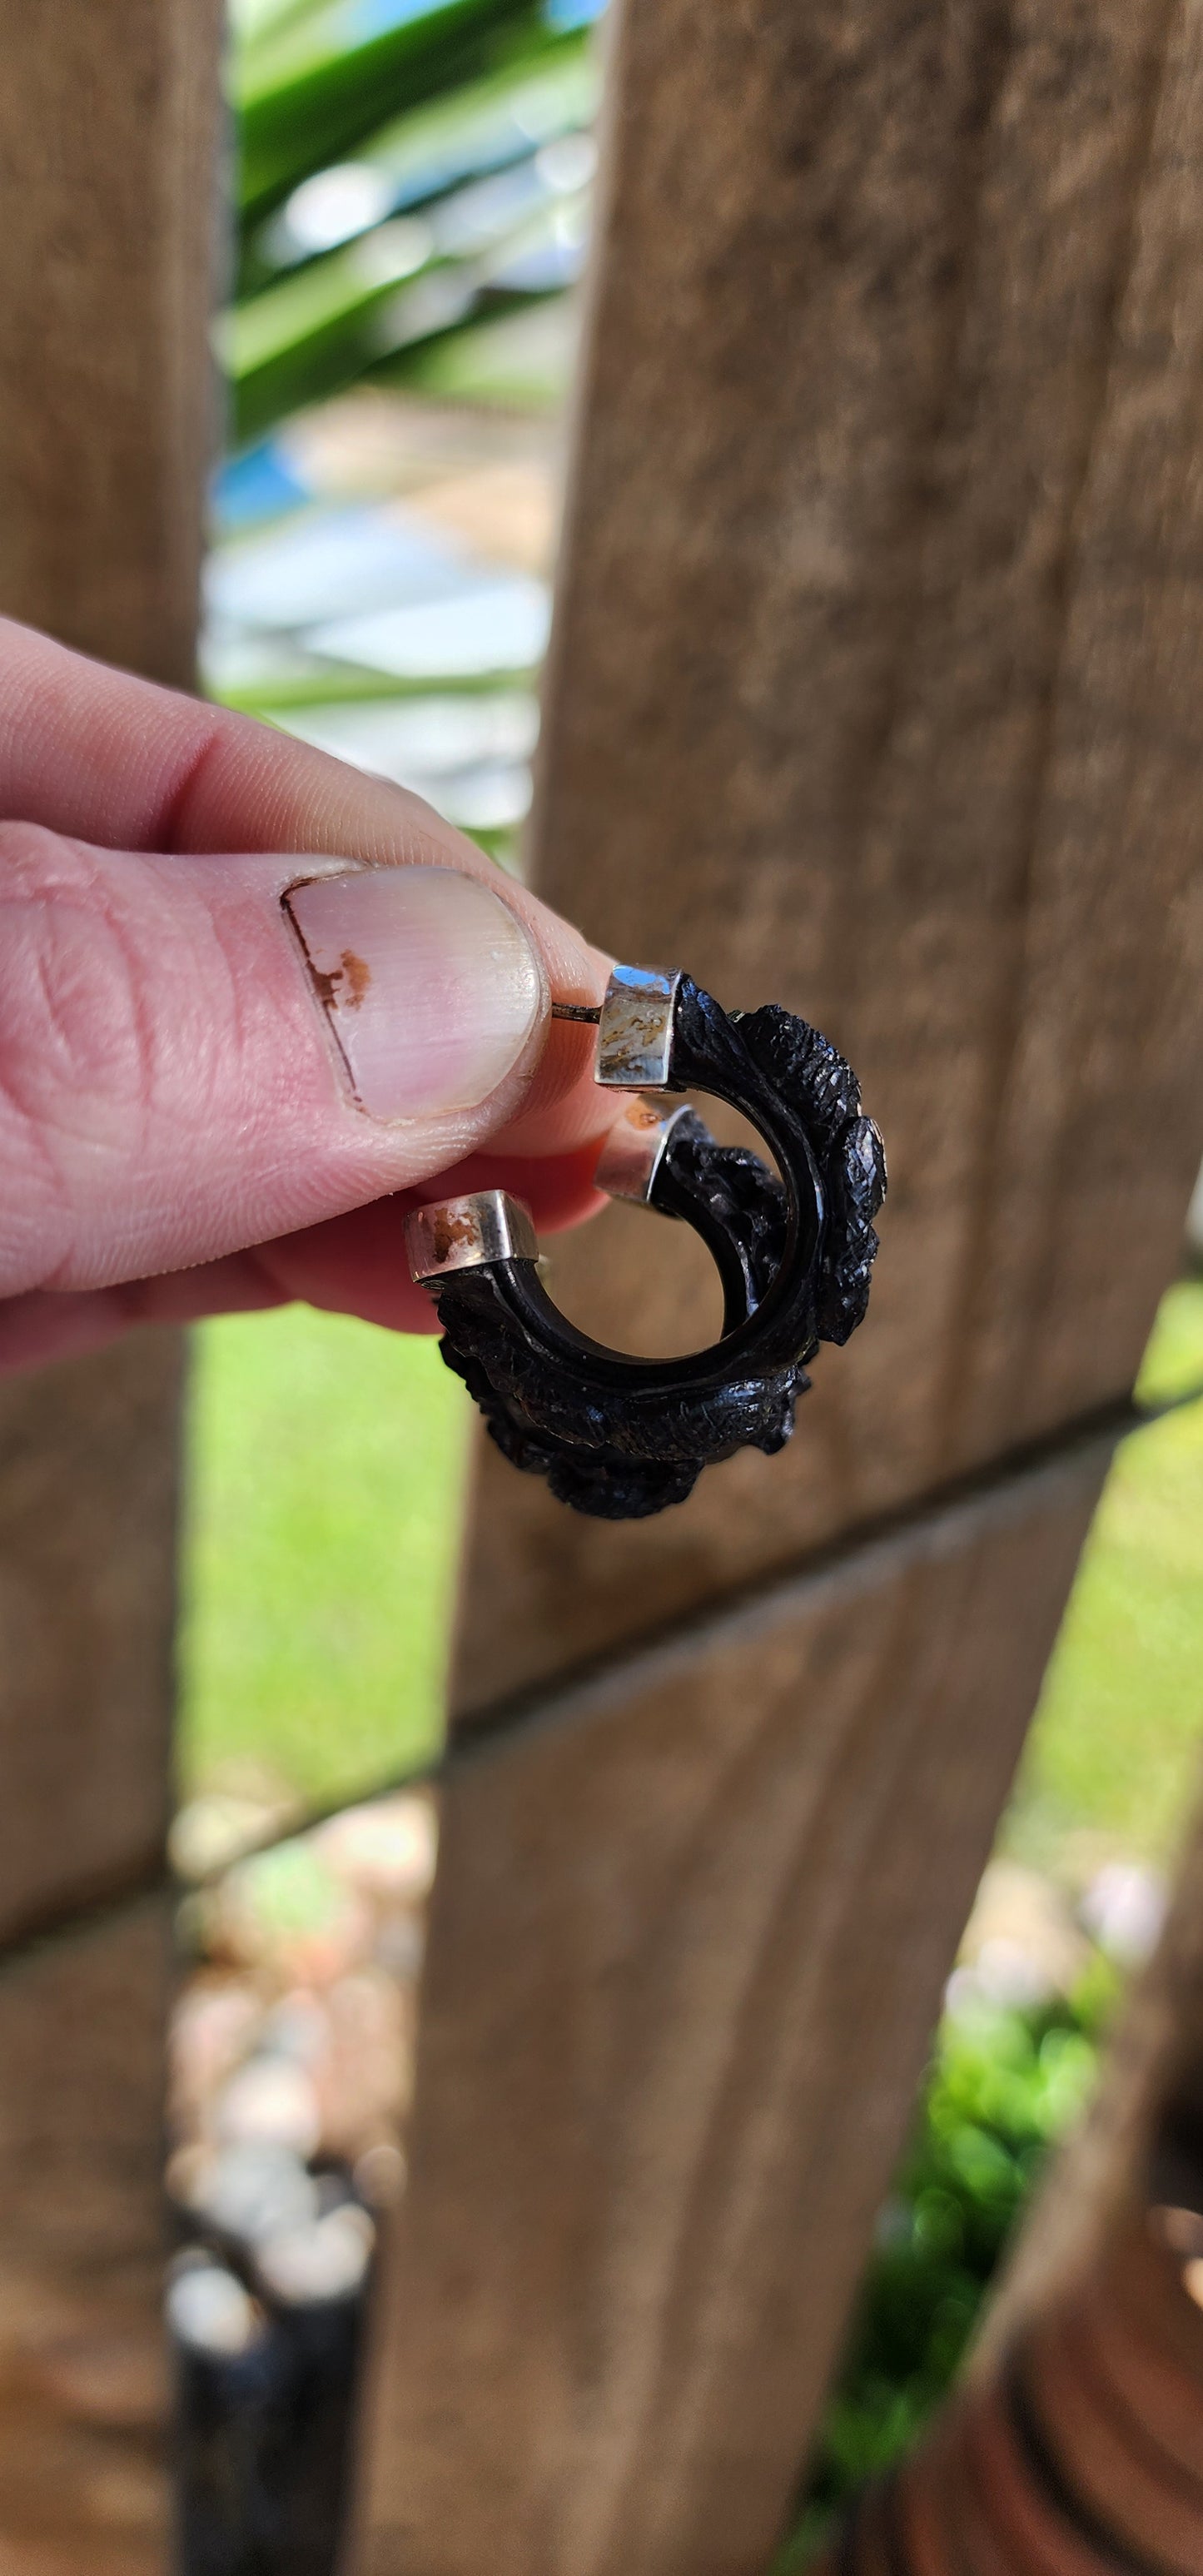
<point>622,1437</point>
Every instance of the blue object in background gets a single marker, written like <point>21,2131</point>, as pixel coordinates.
<point>260,484</point>
<point>564,16</point>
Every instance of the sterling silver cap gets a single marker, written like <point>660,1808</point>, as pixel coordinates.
<point>634,1150</point>
<point>635,1029</point>
<point>466,1234</point>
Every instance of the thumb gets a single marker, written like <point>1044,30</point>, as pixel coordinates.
<point>202,1053</point>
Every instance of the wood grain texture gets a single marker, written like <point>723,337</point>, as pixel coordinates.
<point>82,2395</point>
<point>876,689</point>
<point>87,1594</point>
<point>108,125</point>
<point>685,1959</point>
<point>108,212</point>
<point>108,132</point>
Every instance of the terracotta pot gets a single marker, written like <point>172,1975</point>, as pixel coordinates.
<point>1040,2538</point>
<point>1109,2460</point>
<point>1082,2456</point>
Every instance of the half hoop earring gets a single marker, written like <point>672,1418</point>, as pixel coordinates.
<point>621,1437</point>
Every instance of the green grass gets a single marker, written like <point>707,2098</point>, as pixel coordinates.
<point>1173,1363</point>
<point>327,1465</point>
<point>1113,1759</point>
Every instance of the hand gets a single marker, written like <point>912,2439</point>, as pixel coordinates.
<point>249,999</point>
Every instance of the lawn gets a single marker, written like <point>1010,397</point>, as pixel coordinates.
<point>326,1473</point>
<point>327,1465</point>
<point>1112,1759</point>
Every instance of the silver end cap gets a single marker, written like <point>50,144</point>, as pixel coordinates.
<point>634,1150</point>
<point>635,1030</point>
<point>467,1234</point>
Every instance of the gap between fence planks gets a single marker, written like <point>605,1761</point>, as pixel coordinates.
<point>108,134</point>
<point>876,688</point>
<point>1116,2161</point>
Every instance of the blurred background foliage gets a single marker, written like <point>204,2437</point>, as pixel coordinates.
<point>413,205</point>
<point>408,169</point>
<point>1004,2085</point>
<point>412,215</point>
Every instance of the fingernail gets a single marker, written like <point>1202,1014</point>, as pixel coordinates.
<point>430,985</point>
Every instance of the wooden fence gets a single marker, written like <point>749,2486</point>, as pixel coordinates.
<point>877,689</point>
<point>108,184</point>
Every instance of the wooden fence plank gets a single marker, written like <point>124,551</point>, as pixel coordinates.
<point>82,2399</point>
<point>875,691</point>
<point>87,1591</point>
<point>685,1960</point>
<point>108,124</point>
<point>107,135</point>
<point>108,127</point>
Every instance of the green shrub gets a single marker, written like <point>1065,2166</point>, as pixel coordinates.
<point>1004,2085</point>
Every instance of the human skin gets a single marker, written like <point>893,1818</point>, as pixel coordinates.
<point>227,1066</point>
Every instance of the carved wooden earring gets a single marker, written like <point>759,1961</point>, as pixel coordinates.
<point>622,1437</point>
